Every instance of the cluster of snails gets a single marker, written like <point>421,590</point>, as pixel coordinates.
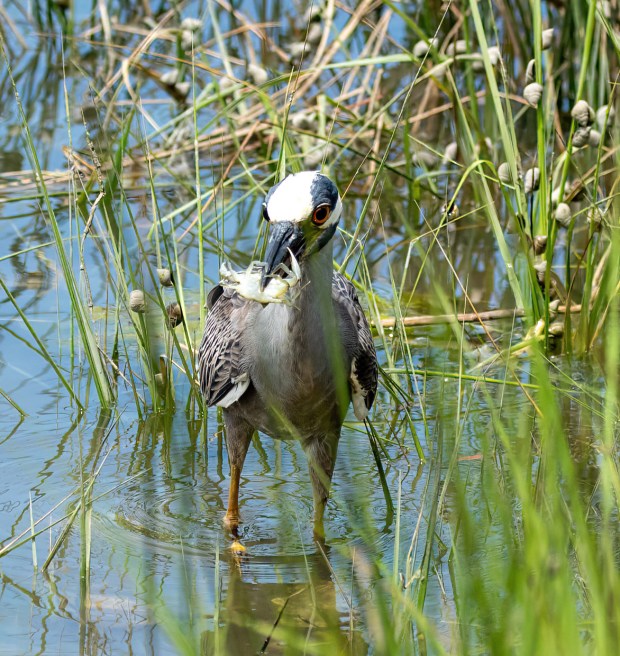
<point>137,300</point>
<point>456,50</point>
<point>590,125</point>
<point>584,116</point>
<point>533,91</point>
<point>189,34</point>
<point>311,26</point>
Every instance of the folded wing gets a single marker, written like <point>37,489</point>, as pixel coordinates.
<point>357,340</point>
<point>223,377</point>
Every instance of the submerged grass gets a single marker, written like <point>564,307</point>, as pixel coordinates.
<point>413,110</point>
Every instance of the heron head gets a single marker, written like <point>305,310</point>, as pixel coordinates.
<point>303,210</point>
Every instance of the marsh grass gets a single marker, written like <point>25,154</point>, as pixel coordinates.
<point>530,550</point>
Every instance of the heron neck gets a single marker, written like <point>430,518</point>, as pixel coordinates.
<point>317,273</point>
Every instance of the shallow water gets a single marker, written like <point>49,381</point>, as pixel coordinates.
<point>145,568</point>
<point>158,539</point>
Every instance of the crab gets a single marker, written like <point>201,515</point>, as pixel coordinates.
<point>247,283</point>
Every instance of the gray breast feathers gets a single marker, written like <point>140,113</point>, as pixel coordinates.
<point>358,344</point>
<point>224,369</point>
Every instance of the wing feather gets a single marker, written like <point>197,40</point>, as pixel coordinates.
<point>222,374</point>
<point>358,344</point>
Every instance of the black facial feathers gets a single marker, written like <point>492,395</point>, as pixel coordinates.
<point>323,192</point>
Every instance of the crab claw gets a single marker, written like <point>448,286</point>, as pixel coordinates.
<point>225,270</point>
<point>295,269</point>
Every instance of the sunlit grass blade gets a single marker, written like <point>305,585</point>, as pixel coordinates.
<point>91,348</point>
<point>41,347</point>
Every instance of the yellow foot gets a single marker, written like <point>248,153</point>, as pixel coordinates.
<point>237,548</point>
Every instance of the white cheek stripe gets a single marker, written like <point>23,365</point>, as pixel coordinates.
<point>334,217</point>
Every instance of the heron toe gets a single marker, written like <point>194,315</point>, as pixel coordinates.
<point>237,548</point>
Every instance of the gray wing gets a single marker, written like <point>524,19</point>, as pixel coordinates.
<point>221,371</point>
<point>358,344</point>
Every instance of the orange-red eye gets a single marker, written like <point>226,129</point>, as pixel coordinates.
<point>321,214</point>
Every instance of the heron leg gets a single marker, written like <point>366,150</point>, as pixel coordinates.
<point>321,454</point>
<point>238,436</point>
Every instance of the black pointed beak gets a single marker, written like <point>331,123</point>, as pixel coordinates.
<point>284,236</point>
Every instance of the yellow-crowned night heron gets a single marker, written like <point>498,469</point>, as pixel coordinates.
<point>291,370</point>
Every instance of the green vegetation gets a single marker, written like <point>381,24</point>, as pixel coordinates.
<point>478,188</point>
